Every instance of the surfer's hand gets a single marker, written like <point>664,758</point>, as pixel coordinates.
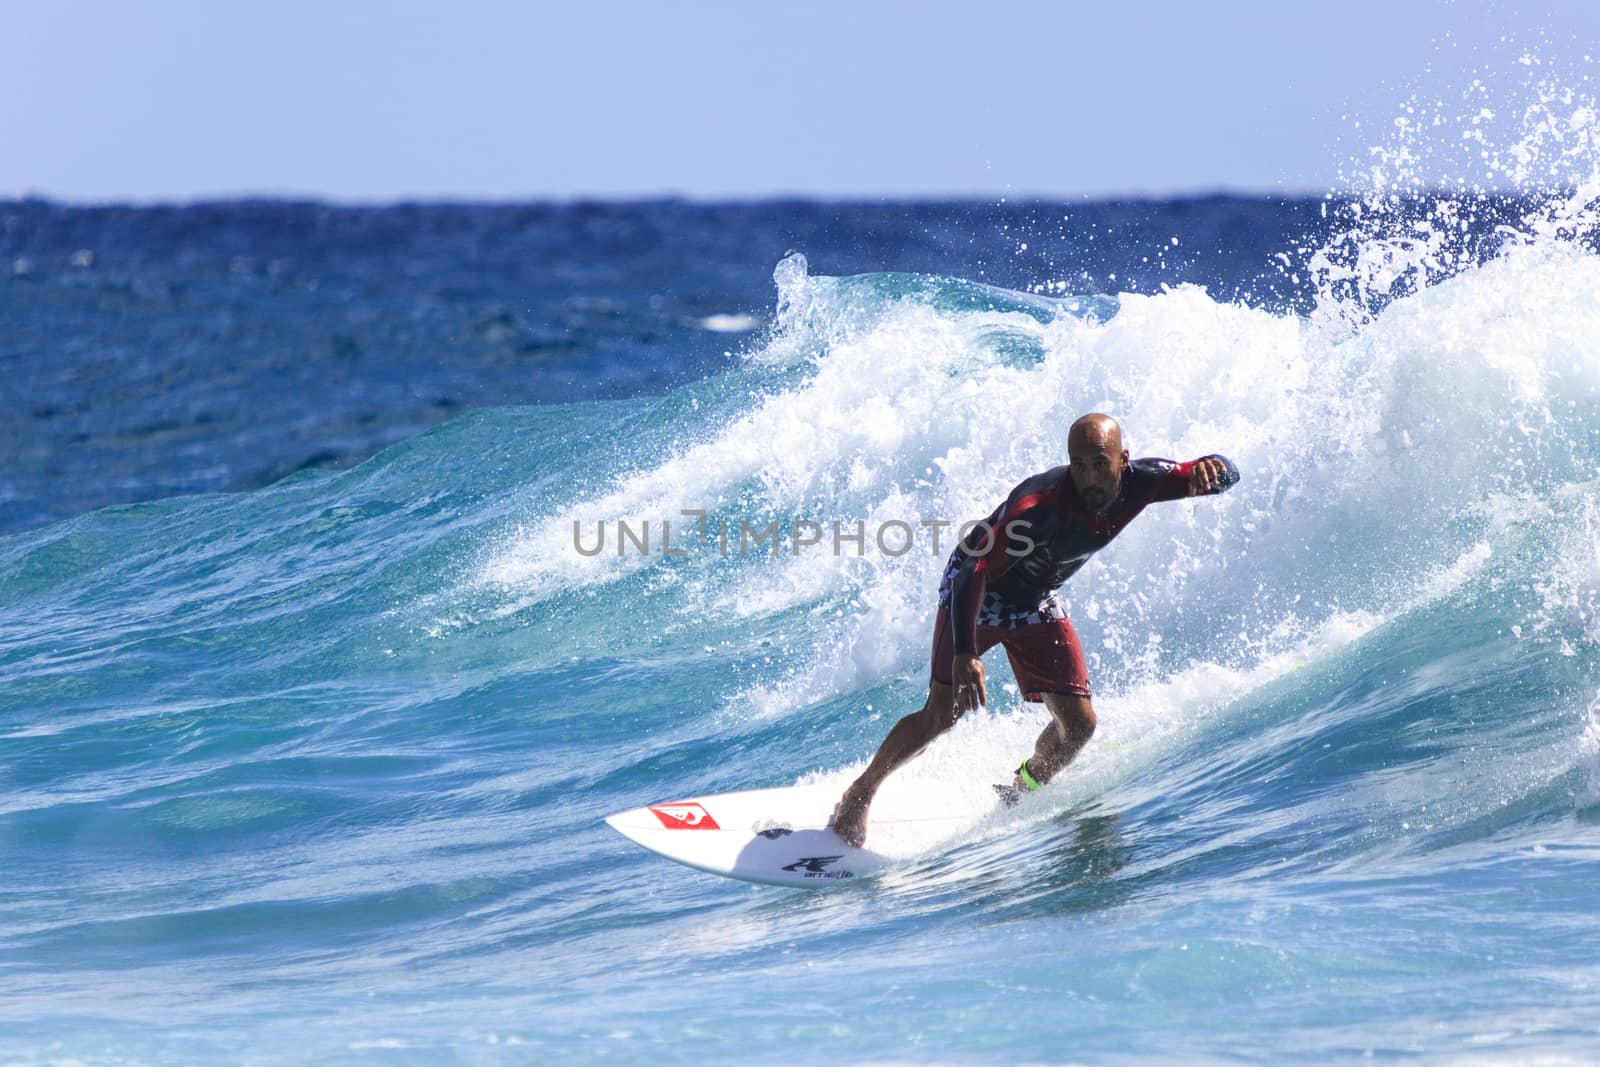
<point>967,678</point>
<point>1207,476</point>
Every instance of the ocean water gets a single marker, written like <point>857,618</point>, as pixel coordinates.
<point>311,702</point>
<point>153,351</point>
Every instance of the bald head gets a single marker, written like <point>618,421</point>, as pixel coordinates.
<point>1092,430</point>
<point>1096,459</point>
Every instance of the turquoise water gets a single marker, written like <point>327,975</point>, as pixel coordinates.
<point>316,772</point>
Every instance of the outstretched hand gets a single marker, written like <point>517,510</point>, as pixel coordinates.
<point>967,678</point>
<point>1207,476</point>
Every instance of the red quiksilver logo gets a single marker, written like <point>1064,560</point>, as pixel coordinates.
<point>685,817</point>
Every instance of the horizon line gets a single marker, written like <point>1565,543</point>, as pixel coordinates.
<point>733,200</point>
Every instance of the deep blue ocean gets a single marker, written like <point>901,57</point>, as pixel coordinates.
<point>312,704</point>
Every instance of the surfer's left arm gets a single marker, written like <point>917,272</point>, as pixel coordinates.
<point>1212,474</point>
<point>1206,476</point>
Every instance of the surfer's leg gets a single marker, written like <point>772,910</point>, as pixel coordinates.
<point>1071,725</point>
<point>909,736</point>
<point>1050,668</point>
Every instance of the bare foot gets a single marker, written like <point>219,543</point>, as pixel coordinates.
<point>849,820</point>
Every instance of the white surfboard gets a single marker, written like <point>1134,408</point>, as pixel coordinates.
<point>781,836</point>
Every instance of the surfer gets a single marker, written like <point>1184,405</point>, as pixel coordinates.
<point>999,588</point>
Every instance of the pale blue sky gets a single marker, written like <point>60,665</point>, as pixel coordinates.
<point>177,99</point>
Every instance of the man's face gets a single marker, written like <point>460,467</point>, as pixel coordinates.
<point>1096,462</point>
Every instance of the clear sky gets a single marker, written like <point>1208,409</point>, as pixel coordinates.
<point>178,99</point>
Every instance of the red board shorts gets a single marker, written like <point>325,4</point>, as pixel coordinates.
<point>1045,656</point>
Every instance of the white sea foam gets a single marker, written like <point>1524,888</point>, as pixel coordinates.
<point>1589,755</point>
<point>1135,725</point>
<point>728,323</point>
<point>1439,394</point>
<point>1363,459</point>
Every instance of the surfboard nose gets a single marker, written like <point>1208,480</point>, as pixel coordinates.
<point>636,824</point>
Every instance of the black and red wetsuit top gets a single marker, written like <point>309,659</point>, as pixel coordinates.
<point>1006,571</point>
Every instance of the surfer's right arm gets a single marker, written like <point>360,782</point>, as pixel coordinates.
<point>966,593</point>
<point>984,559</point>
<point>966,672</point>
<point>985,556</point>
